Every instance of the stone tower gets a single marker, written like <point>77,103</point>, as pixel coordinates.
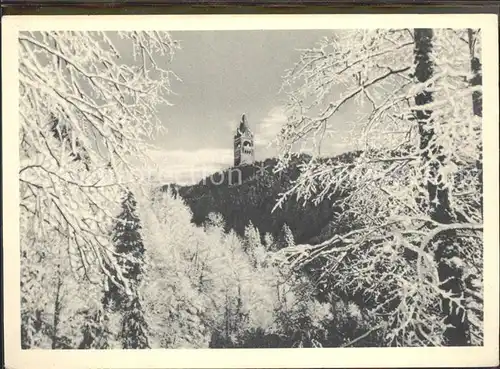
<point>244,153</point>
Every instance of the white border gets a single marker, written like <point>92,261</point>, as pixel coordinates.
<point>239,358</point>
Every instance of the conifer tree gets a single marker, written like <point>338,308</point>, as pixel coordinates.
<point>128,244</point>
<point>252,238</point>
<point>130,248</point>
<point>286,238</point>
<point>134,327</point>
<point>252,245</point>
<point>269,242</point>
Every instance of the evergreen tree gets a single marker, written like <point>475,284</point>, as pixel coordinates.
<point>252,245</point>
<point>252,238</point>
<point>286,238</point>
<point>134,327</point>
<point>130,248</point>
<point>269,242</point>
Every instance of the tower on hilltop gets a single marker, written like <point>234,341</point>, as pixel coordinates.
<point>243,144</point>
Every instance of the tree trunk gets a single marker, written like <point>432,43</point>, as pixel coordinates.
<point>477,103</point>
<point>477,78</point>
<point>226,316</point>
<point>457,334</point>
<point>57,311</point>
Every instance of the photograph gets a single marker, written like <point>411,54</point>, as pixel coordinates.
<point>254,188</point>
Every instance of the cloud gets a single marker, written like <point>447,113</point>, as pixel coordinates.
<point>188,167</point>
<point>269,127</point>
<point>333,143</point>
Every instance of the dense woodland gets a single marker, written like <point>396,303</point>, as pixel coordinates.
<point>378,247</point>
<point>249,193</point>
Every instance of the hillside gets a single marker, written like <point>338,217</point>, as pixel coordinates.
<point>252,199</point>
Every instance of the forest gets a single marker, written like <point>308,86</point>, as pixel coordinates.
<point>377,247</point>
<point>250,195</point>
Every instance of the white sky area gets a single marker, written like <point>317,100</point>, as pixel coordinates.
<point>223,75</point>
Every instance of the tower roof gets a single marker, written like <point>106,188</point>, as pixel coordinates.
<point>244,128</point>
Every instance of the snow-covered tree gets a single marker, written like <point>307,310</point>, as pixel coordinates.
<point>129,250</point>
<point>286,238</point>
<point>269,242</point>
<point>57,303</point>
<point>96,331</point>
<point>201,288</point>
<point>85,116</point>
<point>135,329</point>
<point>252,237</point>
<point>253,246</point>
<point>176,291</point>
<point>413,194</point>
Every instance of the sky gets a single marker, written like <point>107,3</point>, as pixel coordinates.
<point>223,75</point>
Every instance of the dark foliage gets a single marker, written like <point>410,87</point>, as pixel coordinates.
<point>134,327</point>
<point>128,242</point>
<point>248,194</point>
<point>31,325</point>
<point>95,331</point>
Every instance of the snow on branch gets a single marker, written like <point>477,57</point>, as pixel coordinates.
<point>86,115</point>
<point>388,240</point>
